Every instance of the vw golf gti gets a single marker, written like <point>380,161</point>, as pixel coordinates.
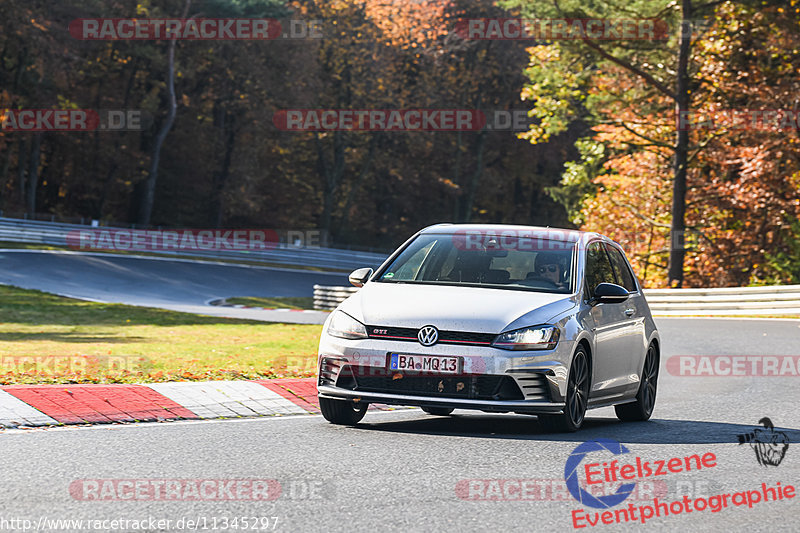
<point>496,318</point>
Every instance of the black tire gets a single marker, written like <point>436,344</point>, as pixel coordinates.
<point>577,397</point>
<point>343,412</point>
<point>642,408</point>
<point>438,411</point>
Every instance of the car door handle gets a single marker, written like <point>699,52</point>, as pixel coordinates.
<point>630,311</point>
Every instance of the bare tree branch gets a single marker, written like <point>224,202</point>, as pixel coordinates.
<point>631,68</point>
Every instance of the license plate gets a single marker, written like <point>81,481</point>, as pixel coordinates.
<point>437,364</point>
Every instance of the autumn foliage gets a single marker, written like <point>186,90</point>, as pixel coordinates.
<point>599,152</point>
<point>743,183</point>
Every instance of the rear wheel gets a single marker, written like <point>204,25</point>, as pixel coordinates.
<point>438,411</point>
<point>344,412</point>
<point>642,408</point>
<point>577,396</point>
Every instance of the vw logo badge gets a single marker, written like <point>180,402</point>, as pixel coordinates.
<point>428,336</point>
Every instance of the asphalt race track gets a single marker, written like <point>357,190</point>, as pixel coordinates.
<point>164,283</point>
<point>398,471</point>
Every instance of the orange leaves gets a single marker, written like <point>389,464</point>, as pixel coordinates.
<point>743,184</point>
<point>410,24</point>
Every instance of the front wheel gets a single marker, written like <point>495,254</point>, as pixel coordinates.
<point>642,408</point>
<point>343,412</point>
<point>438,411</point>
<point>577,397</point>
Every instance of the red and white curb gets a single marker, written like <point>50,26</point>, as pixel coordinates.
<point>50,405</point>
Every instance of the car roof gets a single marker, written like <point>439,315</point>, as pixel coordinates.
<point>562,234</point>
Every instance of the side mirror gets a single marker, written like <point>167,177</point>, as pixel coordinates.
<point>610,293</point>
<point>359,277</point>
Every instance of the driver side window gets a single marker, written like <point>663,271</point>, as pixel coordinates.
<point>598,267</point>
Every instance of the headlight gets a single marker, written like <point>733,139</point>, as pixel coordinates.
<point>536,338</point>
<point>346,327</point>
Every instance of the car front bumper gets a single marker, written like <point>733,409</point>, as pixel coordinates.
<point>491,379</point>
<point>500,406</point>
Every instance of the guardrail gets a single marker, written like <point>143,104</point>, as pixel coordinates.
<point>55,234</point>
<point>328,297</point>
<point>769,300</point>
<point>772,300</point>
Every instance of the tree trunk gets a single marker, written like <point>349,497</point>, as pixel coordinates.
<point>4,175</point>
<point>98,213</point>
<point>342,226</point>
<point>33,173</point>
<point>22,60</point>
<point>109,179</point>
<point>456,179</point>
<point>146,210</point>
<point>221,178</point>
<point>332,175</point>
<point>682,100</point>
<point>476,176</point>
<point>21,164</point>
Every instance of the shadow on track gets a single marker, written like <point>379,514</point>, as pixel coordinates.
<point>655,431</point>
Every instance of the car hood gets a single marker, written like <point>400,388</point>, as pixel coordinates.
<point>453,308</point>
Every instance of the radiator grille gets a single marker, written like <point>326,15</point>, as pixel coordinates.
<point>445,337</point>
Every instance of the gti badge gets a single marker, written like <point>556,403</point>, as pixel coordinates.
<point>428,335</point>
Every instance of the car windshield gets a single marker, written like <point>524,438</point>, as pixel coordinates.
<point>485,260</point>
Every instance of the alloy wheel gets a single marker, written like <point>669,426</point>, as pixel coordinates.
<point>578,389</point>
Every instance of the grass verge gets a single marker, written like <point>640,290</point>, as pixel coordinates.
<point>51,339</point>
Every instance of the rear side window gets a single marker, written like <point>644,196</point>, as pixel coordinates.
<point>621,269</point>
<point>598,267</point>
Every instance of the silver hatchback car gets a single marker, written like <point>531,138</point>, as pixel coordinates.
<point>497,318</point>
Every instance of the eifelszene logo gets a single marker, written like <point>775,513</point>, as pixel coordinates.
<point>596,473</point>
<point>770,445</point>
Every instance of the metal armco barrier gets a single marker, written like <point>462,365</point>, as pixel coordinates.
<point>55,234</point>
<point>330,297</point>
<point>757,301</point>
<point>770,300</point>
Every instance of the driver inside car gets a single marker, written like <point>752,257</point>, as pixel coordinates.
<point>548,267</point>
